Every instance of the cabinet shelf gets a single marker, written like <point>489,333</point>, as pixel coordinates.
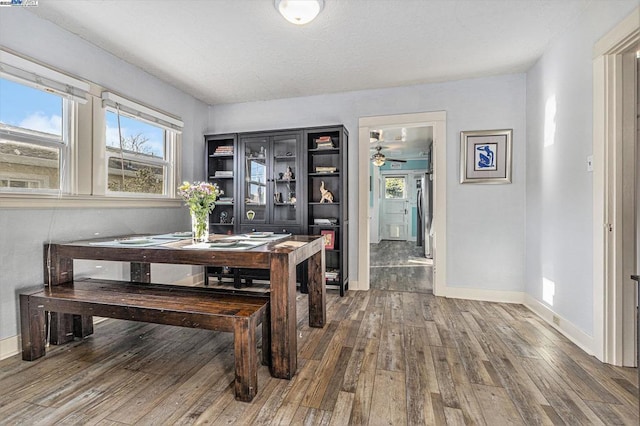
<point>221,156</point>
<point>316,151</point>
<point>320,174</point>
<point>285,157</point>
<point>325,226</point>
<point>317,203</point>
<point>284,204</point>
<point>221,224</point>
<point>220,177</point>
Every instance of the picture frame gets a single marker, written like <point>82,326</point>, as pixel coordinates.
<point>329,238</point>
<point>485,156</point>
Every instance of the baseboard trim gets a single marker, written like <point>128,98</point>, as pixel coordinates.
<point>9,347</point>
<point>564,326</point>
<point>500,296</point>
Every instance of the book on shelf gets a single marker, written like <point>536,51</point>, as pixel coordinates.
<point>224,150</point>
<point>224,173</point>
<point>323,139</point>
<point>324,145</point>
<point>325,169</point>
<point>331,275</point>
<point>325,221</point>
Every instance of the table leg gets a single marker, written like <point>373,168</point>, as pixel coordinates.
<point>317,290</point>
<point>63,327</point>
<point>284,345</point>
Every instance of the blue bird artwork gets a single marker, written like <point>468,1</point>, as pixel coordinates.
<point>485,157</point>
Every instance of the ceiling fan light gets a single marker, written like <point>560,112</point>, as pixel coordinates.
<point>299,12</point>
<point>378,159</point>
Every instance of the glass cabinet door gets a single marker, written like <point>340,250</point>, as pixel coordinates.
<point>285,178</point>
<point>255,182</point>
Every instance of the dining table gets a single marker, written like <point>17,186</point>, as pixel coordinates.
<point>277,253</point>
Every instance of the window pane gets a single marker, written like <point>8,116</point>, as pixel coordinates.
<point>135,176</point>
<point>28,166</point>
<point>394,187</point>
<point>137,136</point>
<point>28,108</point>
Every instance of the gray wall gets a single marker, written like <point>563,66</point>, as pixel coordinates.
<point>485,223</point>
<point>559,189</point>
<point>22,232</point>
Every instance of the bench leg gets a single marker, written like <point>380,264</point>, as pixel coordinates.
<point>246,358</point>
<point>32,324</point>
<point>266,337</point>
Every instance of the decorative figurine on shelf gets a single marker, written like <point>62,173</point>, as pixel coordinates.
<point>224,217</point>
<point>292,197</point>
<point>288,174</point>
<point>327,196</point>
<point>280,175</point>
<point>277,197</point>
<point>262,152</point>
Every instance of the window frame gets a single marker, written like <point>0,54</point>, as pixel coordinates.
<point>405,193</point>
<point>84,157</point>
<point>65,143</point>
<point>167,163</point>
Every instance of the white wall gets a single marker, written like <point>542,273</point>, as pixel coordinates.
<point>559,188</point>
<point>22,232</point>
<point>485,235</point>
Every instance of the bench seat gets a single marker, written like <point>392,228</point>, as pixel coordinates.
<point>160,304</point>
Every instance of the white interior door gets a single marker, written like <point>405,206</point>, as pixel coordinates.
<point>395,208</point>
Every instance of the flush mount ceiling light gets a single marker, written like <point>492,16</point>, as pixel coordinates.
<point>299,12</point>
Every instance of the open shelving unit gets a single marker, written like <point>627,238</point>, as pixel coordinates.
<point>327,164</point>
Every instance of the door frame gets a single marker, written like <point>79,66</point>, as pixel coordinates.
<point>437,120</point>
<point>611,208</point>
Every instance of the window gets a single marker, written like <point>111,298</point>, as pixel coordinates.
<point>57,138</point>
<point>395,187</point>
<point>136,155</point>
<point>140,145</point>
<point>34,138</point>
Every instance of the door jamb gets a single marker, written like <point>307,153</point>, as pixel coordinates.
<point>608,256</point>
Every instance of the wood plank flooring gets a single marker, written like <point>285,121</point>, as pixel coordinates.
<point>399,266</point>
<point>384,357</point>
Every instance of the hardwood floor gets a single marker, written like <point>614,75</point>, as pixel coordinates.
<point>385,357</point>
<point>400,266</point>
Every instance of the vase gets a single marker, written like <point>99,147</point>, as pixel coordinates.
<point>199,227</point>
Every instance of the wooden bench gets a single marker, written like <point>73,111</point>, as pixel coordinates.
<point>160,304</point>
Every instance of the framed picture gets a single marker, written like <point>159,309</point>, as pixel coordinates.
<point>485,156</point>
<point>329,238</point>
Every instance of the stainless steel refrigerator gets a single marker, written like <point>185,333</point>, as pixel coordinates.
<point>425,213</point>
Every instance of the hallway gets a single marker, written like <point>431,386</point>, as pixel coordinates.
<point>400,266</point>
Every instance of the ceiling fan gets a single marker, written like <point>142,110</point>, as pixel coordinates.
<point>379,158</point>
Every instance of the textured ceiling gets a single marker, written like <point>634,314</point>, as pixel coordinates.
<point>226,51</point>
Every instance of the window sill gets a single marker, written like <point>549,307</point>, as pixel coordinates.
<point>41,201</point>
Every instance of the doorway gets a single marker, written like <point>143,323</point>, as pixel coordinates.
<point>371,183</point>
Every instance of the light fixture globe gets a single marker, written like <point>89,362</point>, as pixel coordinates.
<point>378,159</point>
<point>299,12</point>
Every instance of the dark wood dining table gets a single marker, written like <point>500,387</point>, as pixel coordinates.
<point>280,257</point>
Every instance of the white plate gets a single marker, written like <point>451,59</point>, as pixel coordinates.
<point>135,241</point>
<point>181,234</point>
<point>222,243</point>
<point>259,234</point>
